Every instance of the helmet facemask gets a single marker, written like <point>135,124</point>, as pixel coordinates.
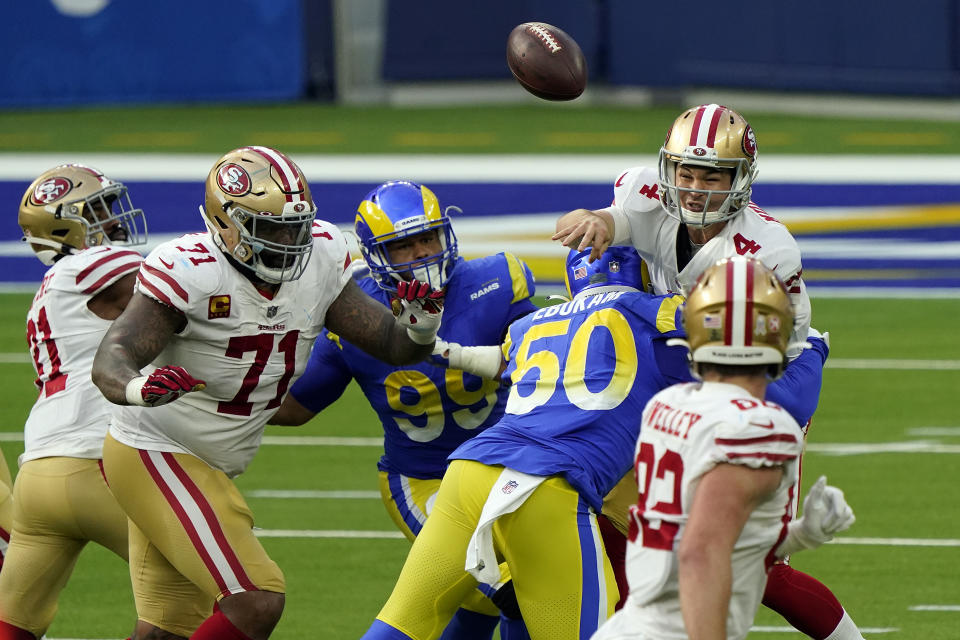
<point>712,137</point>
<point>259,212</point>
<point>735,199</point>
<point>433,269</point>
<point>276,248</point>
<point>397,211</point>
<point>102,214</point>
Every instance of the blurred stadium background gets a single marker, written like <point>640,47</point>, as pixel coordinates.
<point>857,114</point>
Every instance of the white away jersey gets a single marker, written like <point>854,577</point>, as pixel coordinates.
<point>246,347</point>
<point>754,233</point>
<point>70,415</point>
<point>687,430</point>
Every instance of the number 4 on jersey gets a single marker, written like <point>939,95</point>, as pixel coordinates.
<point>745,246</point>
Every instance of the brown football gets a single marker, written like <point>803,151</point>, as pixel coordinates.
<point>546,61</point>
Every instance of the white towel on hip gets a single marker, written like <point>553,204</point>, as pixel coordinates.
<point>510,491</point>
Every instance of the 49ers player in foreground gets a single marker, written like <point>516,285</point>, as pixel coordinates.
<point>77,222</point>
<point>693,210</point>
<point>697,564</point>
<point>220,324</point>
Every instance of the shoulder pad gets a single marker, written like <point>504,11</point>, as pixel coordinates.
<point>637,190</point>
<point>182,270</point>
<point>96,268</point>
<point>757,434</point>
<point>521,278</point>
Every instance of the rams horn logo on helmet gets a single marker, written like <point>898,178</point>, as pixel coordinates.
<point>51,190</point>
<point>233,179</point>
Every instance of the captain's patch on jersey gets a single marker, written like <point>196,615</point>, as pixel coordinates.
<point>219,307</point>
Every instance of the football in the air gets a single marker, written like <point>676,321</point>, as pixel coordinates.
<point>546,61</point>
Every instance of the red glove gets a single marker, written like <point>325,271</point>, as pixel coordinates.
<point>418,308</point>
<point>163,386</point>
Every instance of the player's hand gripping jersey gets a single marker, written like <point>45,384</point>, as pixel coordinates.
<point>582,372</point>
<point>753,233</point>
<point>70,415</point>
<point>427,411</point>
<point>687,430</point>
<point>247,348</point>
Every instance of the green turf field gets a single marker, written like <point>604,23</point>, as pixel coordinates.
<point>900,555</point>
<point>908,491</point>
<point>550,128</point>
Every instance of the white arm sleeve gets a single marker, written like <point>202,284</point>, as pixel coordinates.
<point>621,226</point>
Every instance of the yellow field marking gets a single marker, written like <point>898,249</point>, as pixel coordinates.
<point>873,274</point>
<point>16,139</point>
<point>929,216</point>
<point>427,139</point>
<point>593,139</point>
<point>896,139</point>
<point>151,139</point>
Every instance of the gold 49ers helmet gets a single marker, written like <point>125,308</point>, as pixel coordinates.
<point>259,210</point>
<point>713,136</point>
<point>738,313</point>
<point>72,207</point>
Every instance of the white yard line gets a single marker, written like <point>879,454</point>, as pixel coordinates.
<point>546,168</point>
<point>325,533</point>
<point>322,441</point>
<point>867,630</point>
<point>879,364</point>
<point>934,607</point>
<point>870,448</point>
<point>316,495</point>
<point>357,534</point>
<point>897,542</point>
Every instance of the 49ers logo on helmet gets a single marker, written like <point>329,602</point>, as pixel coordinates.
<point>749,142</point>
<point>233,179</point>
<point>51,190</point>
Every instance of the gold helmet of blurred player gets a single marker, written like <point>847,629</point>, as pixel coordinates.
<point>710,136</point>
<point>72,207</point>
<point>738,314</point>
<point>259,210</point>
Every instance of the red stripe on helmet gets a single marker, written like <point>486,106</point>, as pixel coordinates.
<point>728,311</point>
<point>714,124</point>
<point>283,165</point>
<point>748,311</point>
<point>696,125</point>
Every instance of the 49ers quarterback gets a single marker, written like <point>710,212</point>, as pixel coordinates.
<point>219,326</point>
<point>76,220</point>
<point>682,217</point>
<point>696,209</point>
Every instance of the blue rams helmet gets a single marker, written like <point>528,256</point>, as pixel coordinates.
<point>402,209</point>
<point>618,266</point>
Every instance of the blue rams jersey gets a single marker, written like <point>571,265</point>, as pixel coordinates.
<point>427,411</point>
<point>582,373</point>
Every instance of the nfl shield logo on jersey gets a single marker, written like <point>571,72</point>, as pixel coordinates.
<point>510,486</point>
<point>271,311</point>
